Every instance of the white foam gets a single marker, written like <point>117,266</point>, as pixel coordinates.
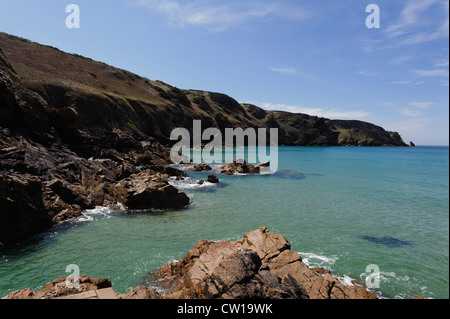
<point>91,214</point>
<point>314,260</point>
<point>189,183</point>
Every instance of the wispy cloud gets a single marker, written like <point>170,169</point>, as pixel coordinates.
<point>422,105</point>
<point>284,70</point>
<point>430,73</point>
<point>220,15</point>
<point>414,26</point>
<point>407,82</point>
<point>416,109</point>
<point>365,73</point>
<point>321,112</point>
<point>419,21</point>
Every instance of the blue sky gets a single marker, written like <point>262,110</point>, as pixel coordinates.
<point>315,57</point>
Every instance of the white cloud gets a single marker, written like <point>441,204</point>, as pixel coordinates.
<point>429,73</point>
<point>284,70</point>
<point>365,73</point>
<point>331,113</point>
<point>415,25</point>
<point>422,105</point>
<point>219,16</point>
<point>417,108</point>
<point>441,63</point>
<point>411,112</point>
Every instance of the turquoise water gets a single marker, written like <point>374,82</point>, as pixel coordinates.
<point>341,208</point>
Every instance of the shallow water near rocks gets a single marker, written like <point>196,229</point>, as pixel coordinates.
<point>328,202</point>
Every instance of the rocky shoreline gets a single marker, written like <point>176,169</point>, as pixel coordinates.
<point>261,265</point>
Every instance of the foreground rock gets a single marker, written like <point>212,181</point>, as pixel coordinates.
<point>261,265</point>
<point>58,288</point>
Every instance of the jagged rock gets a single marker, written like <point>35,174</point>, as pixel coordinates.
<point>240,167</point>
<point>260,265</point>
<point>199,168</point>
<point>141,293</point>
<point>58,288</point>
<point>213,179</point>
<point>22,211</point>
<point>145,190</point>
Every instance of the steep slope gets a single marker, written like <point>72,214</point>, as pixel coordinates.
<point>107,98</point>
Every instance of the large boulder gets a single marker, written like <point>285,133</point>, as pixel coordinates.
<point>199,168</point>
<point>260,265</point>
<point>145,191</point>
<point>240,167</point>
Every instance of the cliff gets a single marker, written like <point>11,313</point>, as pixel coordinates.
<point>107,98</point>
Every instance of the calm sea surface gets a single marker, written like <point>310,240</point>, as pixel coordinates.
<point>341,208</point>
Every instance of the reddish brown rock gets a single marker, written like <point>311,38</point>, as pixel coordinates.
<point>199,168</point>
<point>260,265</point>
<point>141,292</point>
<point>58,288</point>
<point>145,191</point>
<point>239,166</point>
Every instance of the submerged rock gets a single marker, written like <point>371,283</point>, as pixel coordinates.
<point>387,241</point>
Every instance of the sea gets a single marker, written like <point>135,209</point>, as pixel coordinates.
<point>372,215</point>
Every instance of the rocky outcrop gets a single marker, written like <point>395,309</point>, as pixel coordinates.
<point>50,170</point>
<point>141,293</point>
<point>199,168</point>
<point>260,265</point>
<point>145,190</point>
<point>58,288</point>
<point>213,179</point>
<point>239,166</point>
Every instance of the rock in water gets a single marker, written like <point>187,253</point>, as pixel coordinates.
<point>239,166</point>
<point>146,191</point>
<point>199,168</point>
<point>213,179</point>
<point>260,265</point>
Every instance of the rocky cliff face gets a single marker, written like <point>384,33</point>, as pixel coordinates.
<point>50,171</point>
<point>106,98</point>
